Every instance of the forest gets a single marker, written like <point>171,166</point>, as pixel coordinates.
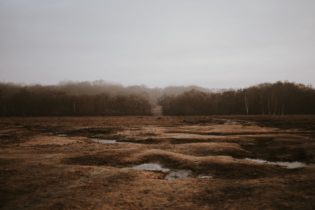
<point>68,100</point>
<point>103,99</point>
<point>279,98</point>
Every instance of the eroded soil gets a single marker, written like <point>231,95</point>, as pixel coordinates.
<point>226,162</point>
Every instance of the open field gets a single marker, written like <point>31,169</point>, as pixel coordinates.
<point>219,162</point>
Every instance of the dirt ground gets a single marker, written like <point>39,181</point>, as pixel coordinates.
<point>217,162</point>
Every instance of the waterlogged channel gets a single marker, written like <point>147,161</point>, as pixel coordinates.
<point>288,165</point>
<point>151,167</point>
<point>178,174</point>
<point>172,174</point>
<point>105,141</point>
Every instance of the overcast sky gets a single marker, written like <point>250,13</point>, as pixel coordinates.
<point>210,43</point>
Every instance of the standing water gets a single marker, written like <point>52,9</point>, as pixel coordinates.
<point>151,167</point>
<point>288,165</point>
<point>104,141</point>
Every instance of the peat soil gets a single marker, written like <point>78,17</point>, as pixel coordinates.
<point>193,162</point>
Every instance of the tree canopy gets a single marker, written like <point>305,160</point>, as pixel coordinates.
<point>278,99</point>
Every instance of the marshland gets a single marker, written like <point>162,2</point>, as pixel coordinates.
<point>184,160</point>
<point>157,105</point>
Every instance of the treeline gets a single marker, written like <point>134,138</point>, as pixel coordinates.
<point>273,99</point>
<point>101,99</point>
<point>38,100</point>
<point>96,98</point>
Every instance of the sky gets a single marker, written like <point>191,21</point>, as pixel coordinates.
<point>158,43</point>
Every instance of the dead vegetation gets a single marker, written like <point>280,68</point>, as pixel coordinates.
<point>54,163</point>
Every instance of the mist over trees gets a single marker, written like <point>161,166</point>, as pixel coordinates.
<point>101,99</point>
<point>273,99</point>
<point>96,98</point>
<point>73,99</point>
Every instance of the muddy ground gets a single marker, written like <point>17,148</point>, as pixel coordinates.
<point>226,162</point>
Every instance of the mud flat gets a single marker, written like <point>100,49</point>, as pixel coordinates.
<point>220,162</point>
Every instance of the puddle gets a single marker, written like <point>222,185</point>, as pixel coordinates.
<point>204,177</point>
<point>178,174</point>
<point>288,165</point>
<point>151,167</point>
<point>104,141</point>
<point>171,174</point>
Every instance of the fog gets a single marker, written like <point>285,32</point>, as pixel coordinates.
<point>214,44</point>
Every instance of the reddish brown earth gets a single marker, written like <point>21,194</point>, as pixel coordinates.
<point>61,163</point>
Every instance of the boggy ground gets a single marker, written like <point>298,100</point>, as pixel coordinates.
<point>63,163</point>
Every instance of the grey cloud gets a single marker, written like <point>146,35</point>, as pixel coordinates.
<point>229,43</point>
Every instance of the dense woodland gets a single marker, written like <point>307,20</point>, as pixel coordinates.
<point>273,99</point>
<point>101,99</point>
<point>64,101</point>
